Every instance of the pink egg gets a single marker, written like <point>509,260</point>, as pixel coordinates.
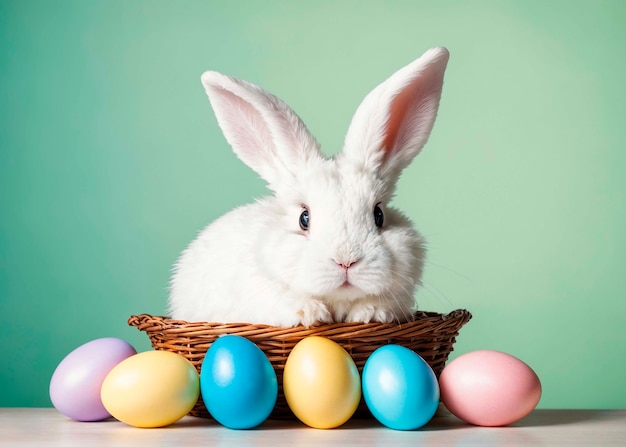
<point>489,388</point>
<point>76,382</point>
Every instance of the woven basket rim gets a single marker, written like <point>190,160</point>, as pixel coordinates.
<point>143,321</point>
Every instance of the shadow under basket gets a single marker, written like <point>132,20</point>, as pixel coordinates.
<point>431,335</point>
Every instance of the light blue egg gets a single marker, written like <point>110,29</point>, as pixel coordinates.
<point>400,388</point>
<point>238,383</point>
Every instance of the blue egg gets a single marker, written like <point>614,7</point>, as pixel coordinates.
<point>400,388</point>
<point>238,383</point>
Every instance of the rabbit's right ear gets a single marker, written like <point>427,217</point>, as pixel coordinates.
<point>263,131</point>
<point>393,122</point>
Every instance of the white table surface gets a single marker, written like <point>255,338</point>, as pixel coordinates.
<point>47,427</point>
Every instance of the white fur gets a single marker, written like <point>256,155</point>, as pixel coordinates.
<point>256,265</point>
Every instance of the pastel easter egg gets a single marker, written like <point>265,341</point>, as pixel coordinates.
<point>76,381</point>
<point>238,383</point>
<point>489,388</point>
<point>321,383</point>
<point>151,389</point>
<point>400,388</point>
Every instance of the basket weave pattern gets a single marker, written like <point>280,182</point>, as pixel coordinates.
<point>431,335</point>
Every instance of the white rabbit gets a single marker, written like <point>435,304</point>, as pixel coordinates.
<point>326,246</point>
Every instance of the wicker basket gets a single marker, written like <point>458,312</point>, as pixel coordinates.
<point>431,335</point>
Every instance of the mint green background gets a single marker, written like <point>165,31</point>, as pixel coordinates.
<point>111,160</point>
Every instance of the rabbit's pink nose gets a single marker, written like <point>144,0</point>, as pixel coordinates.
<point>345,265</point>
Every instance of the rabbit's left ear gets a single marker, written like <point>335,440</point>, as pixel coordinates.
<point>263,131</point>
<point>393,122</point>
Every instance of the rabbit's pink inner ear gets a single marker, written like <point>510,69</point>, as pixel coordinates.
<point>242,124</point>
<point>397,112</point>
<point>411,116</point>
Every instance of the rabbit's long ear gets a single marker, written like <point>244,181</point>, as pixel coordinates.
<point>393,122</point>
<point>263,131</point>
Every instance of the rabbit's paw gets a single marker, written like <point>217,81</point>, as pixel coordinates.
<point>315,311</point>
<point>368,312</point>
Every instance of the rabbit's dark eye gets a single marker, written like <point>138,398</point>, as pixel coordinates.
<point>304,219</point>
<point>379,217</point>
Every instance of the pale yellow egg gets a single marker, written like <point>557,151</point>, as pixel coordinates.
<point>321,383</point>
<point>151,389</point>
